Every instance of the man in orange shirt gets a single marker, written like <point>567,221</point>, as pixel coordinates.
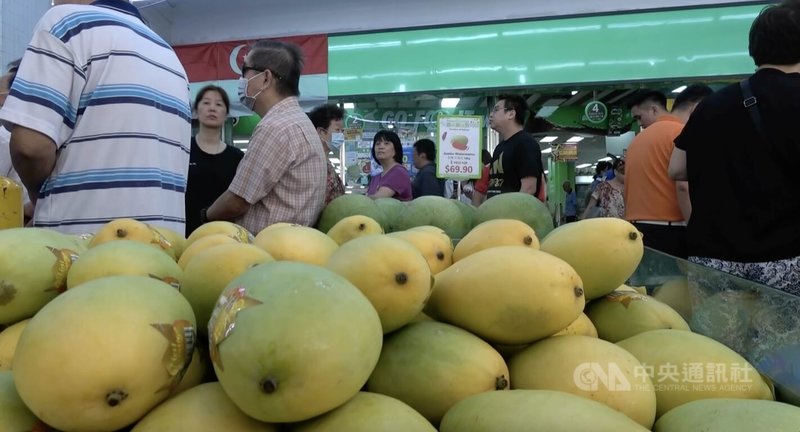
<point>658,206</point>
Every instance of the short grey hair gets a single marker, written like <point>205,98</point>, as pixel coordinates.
<point>281,58</point>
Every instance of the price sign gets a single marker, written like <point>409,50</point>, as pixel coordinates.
<point>458,148</point>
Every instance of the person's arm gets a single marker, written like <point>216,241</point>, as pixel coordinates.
<point>478,198</point>
<point>383,192</point>
<point>34,157</point>
<point>227,207</point>
<point>682,189</point>
<point>529,185</point>
<point>677,165</point>
<point>592,204</point>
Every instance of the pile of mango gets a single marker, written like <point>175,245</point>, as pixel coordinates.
<point>355,329</point>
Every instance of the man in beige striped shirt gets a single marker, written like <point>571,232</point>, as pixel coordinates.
<point>282,175</point>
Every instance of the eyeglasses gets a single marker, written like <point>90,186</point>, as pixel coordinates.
<point>246,69</point>
<point>498,108</point>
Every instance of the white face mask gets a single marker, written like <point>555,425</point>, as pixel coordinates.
<point>337,140</point>
<point>248,101</point>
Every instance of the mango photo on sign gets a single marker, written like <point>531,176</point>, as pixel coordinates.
<point>459,142</point>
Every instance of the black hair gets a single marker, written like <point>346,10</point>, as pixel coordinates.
<point>692,95</point>
<point>222,93</point>
<point>426,147</point>
<point>644,95</point>
<point>323,115</point>
<point>283,59</point>
<point>518,104</point>
<point>601,167</point>
<point>392,137</point>
<point>775,34</point>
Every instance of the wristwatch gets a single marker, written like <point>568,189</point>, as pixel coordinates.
<point>204,215</point>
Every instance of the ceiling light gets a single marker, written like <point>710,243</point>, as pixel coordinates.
<point>241,141</point>
<point>547,150</point>
<point>548,139</point>
<point>679,89</point>
<point>583,166</point>
<point>391,126</point>
<point>349,105</point>
<point>546,111</point>
<point>335,161</point>
<point>605,159</point>
<point>575,139</point>
<point>574,92</point>
<point>450,102</point>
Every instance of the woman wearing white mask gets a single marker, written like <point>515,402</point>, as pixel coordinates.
<point>329,121</point>
<point>212,163</point>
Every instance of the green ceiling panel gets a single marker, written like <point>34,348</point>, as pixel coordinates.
<point>706,42</point>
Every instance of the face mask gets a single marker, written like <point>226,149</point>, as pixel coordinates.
<point>247,101</point>
<point>337,140</point>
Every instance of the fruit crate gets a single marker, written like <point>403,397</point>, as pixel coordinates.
<point>759,322</point>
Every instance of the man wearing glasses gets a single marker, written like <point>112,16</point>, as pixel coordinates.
<point>517,161</point>
<point>282,176</point>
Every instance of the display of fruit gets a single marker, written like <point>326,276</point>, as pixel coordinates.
<point>130,229</point>
<point>621,315</point>
<point>349,205</point>
<point>391,210</point>
<point>493,233</point>
<point>689,367</point>
<point>392,274</point>
<point>604,252</point>
<point>297,243</point>
<point>431,366</point>
<point>110,350</point>
<point>369,412</point>
<point>230,229</point>
<point>582,326</point>
<point>205,408</point>
<point>15,415</point>
<point>725,415</point>
<point>508,295</point>
<point>8,343</point>
<point>434,211</point>
<point>534,411</point>
<point>345,328</point>
<point>211,270</point>
<point>124,257</point>
<point>353,227</point>
<point>290,341</point>
<point>578,364</point>
<point>34,263</point>
<point>520,206</point>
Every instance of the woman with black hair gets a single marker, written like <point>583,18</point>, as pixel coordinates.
<point>394,181</point>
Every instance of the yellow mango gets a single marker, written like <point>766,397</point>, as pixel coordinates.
<point>588,367</point>
<point>353,227</point>
<point>534,411</point>
<point>435,247</point>
<point>508,295</point>
<point>686,367</point>
<point>604,251</point>
<point>297,243</point>
<point>390,272</point>
<point>621,315</point>
<point>493,233</point>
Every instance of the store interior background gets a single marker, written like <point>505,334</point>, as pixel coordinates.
<point>188,22</point>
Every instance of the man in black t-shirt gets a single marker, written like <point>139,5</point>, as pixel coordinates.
<point>517,161</point>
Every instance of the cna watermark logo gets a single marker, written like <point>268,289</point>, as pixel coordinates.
<point>696,376</point>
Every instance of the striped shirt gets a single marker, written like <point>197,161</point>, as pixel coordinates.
<point>114,98</point>
<point>283,173</point>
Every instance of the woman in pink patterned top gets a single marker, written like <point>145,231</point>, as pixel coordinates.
<point>394,181</point>
<point>609,196</point>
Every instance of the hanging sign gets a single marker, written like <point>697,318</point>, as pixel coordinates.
<point>458,150</point>
<point>596,112</point>
<point>566,152</point>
